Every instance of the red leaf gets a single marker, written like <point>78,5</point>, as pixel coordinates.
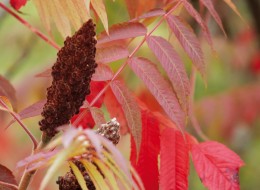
<point>174,161</point>
<point>147,164</point>
<point>131,6</point>
<point>7,90</point>
<point>213,12</point>
<point>152,13</point>
<point>160,89</point>
<point>110,54</point>
<point>102,73</point>
<point>122,31</point>
<point>190,9</point>
<point>230,111</point>
<point>88,121</point>
<point>7,180</point>
<point>188,40</point>
<point>164,121</point>
<point>255,63</point>
<point>98,116</point>
<point>174,68</point>
<point>115,110</point>
<point>136,8</point>
<point>95,88</point>
<point>17,4</point>
<point>33,110</point>
<point>131,110</point>
<point>217,166</point>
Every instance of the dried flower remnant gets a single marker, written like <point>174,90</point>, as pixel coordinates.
<point>69,180</point>
<point>110,130</point>
<point>71,74</point>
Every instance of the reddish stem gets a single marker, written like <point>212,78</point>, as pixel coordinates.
<point>35,143</point>
<point>34,30</point>
<point>84,112</point>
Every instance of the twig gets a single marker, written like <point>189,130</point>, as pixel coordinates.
<point>34,30</point>
<point>27,176</point>
<point>84,112</point>
<point>8,185</point>
<point>35,143</point>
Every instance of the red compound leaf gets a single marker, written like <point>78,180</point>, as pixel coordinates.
<point>174,162</point>
<point>217,166</point>
<point>88,121</point>
<point>147,163</point>
<point>17,4</point>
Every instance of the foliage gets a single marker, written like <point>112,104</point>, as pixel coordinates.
<point>160,142</point>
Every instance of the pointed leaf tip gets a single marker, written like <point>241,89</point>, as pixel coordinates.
<point>189,41</point>
<point>131,110</point>
<point>174,68</point>
<point>216,165</point>
<point>100,9</point>
<point>160,89</point>
<point>17,4</point>
<point>122,31</point>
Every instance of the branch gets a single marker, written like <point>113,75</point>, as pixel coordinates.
<point>84,112</point>
<point>34,30</point>
<point>35,143</point>
<point>27,176</point>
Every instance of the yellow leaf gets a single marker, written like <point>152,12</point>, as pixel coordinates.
<point>51,10</point>
<point>69,7</point>
<point>95,175</point>
<point>78,175</point>
<point>107,173</point>
<point>57,163</point>
<point>88,5</point>
<point>63,13</point>
<point>100,9</point>
<point>82,9</point>
<point>54,143</point>
<point>7,104</point>
<point>234,8</point>
<point>117,171</point>
<point>43,13</point>
<point>59,17</point>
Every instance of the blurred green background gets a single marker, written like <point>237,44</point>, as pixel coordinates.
<point>227,107</point>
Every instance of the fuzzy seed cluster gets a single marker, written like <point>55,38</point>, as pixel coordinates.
<point>71,74</point>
